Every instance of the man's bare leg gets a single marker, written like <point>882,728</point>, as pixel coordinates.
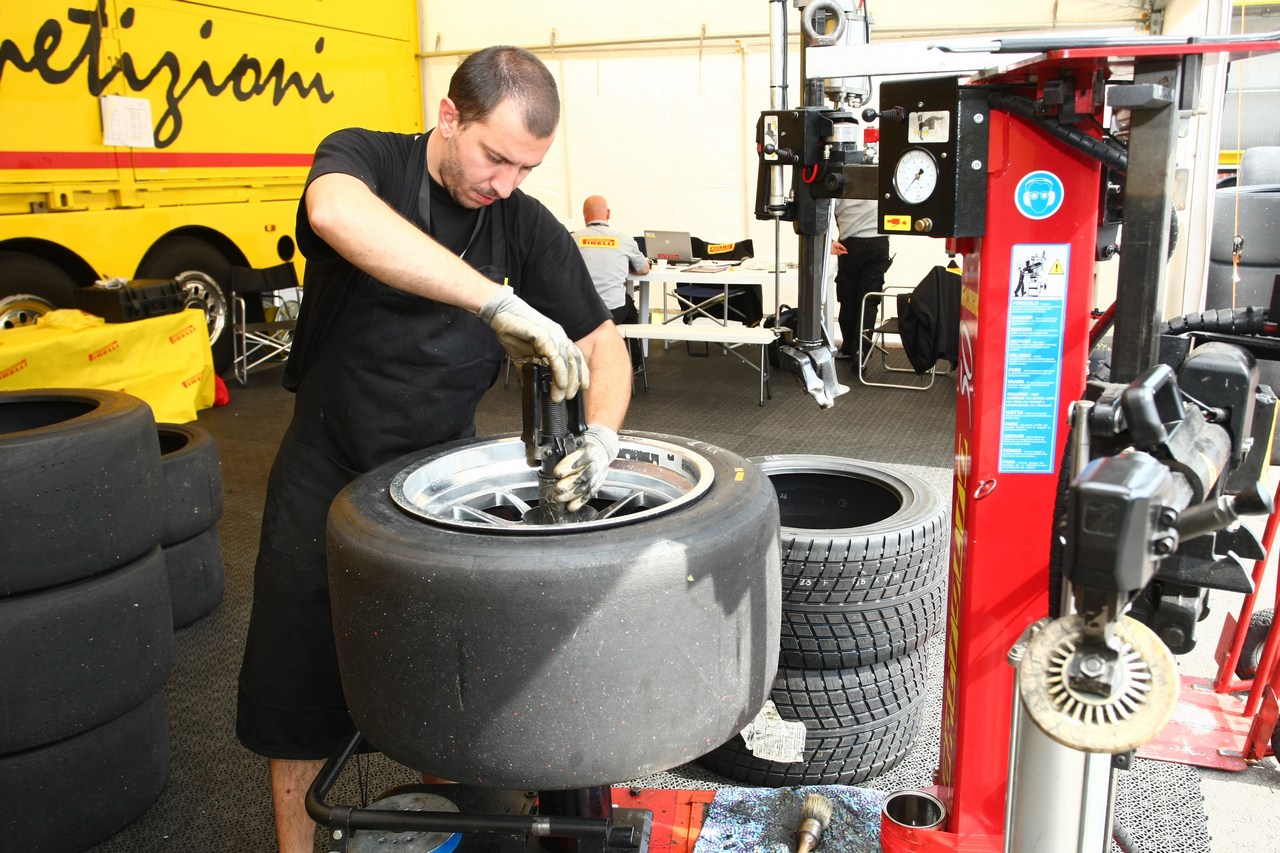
<point>295,830</point>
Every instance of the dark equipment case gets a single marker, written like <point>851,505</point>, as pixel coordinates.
<point>119,301</point>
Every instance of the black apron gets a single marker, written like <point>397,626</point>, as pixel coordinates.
<point>385,373</point>
<point>396,372</point>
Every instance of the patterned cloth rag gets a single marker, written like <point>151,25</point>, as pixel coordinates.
<point>764,820</point>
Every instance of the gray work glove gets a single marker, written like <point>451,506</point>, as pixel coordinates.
<point>525,333</point>
<point>581,473</point>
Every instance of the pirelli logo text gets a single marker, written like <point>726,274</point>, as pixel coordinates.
<point>598,242</point>
<point>192,380</point>
<point>720,248</point>
<point>184,332</point>
<point>107,350</point>
<point>13,369</point>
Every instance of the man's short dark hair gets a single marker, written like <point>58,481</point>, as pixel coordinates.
<point>490,76</point>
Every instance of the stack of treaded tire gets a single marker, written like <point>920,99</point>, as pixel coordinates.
<point>864,588</point>
<point>86,617</point>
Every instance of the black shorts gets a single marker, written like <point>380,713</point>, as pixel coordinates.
<point>290,702</point>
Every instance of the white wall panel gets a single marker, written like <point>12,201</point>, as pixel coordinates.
<point>467,26</point>
<point>661,98</point>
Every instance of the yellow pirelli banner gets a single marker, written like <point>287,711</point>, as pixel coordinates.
<point>165,360</point>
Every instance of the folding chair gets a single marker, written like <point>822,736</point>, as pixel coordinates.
<point>884,328</point>
<point>264,314</point>
<point>716,301</point>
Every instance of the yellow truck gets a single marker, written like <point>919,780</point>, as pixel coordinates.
<point>171,139</point>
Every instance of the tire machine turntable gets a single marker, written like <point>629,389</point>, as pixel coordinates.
<point>1015,168</point>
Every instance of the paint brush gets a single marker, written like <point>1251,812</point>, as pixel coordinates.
<point>815,814</point>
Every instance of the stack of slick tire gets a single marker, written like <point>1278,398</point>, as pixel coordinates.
<point>864,552</point>
<point>193,505</point>
<point>86,623</point>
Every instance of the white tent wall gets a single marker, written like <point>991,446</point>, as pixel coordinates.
<point>1197,157</point>
<point>452,26</point>
<point>661,101</point>
<point>1251,111</point>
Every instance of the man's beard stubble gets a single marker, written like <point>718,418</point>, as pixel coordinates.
<point>451,177</point>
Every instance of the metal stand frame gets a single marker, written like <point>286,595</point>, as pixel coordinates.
<point>580,821</point>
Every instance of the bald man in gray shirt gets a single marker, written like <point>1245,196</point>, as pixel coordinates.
<point>610,255</point>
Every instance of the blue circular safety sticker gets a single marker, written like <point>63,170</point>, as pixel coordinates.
<point>1039,195</point>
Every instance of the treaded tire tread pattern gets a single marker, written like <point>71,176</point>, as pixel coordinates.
<point>833,638</point>
<point>836,572</point>
<point>830,758</point>
<point>843,746</point>
<point>864,550</point>
<point>844,698</point>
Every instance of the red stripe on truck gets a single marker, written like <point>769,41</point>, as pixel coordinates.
<point>145,160</point>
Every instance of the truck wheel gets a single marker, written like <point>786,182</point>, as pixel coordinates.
<point>192,481</point>
<point>859,722</point>
<point>82,490</point>
<point>204,274</point>
<point>581,641</point>
<point>81,654</point>
<point>863,560</point>
<point>31,287</point>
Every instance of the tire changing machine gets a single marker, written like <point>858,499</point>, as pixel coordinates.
<point>1011,167</point>
<point>1016,169</point>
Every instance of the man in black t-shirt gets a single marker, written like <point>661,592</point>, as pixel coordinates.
<point>425,264</point>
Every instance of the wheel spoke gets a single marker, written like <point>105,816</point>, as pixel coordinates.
<point>506,497</point>
<point>621,504</point>
<point>488,485</point>
<point>470,513</point>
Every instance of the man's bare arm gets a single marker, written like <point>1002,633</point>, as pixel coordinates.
<point>610,392</point>
<point>370,234</point>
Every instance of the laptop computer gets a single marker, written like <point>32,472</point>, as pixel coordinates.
<point>672,246</point>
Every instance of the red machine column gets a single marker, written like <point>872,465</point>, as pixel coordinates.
<point>1025,316</point>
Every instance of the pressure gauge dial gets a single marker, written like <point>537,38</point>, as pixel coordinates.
<point>915,176</point>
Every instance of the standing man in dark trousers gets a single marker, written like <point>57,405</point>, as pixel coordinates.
<point>610,255</point>
<point>861,262</point>
<point>424,264</point>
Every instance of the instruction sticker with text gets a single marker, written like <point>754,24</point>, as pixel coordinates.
<point>1033,357</point>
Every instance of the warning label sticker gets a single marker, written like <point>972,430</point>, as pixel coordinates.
<point>1033,356</point>
<point>1039,270</point>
